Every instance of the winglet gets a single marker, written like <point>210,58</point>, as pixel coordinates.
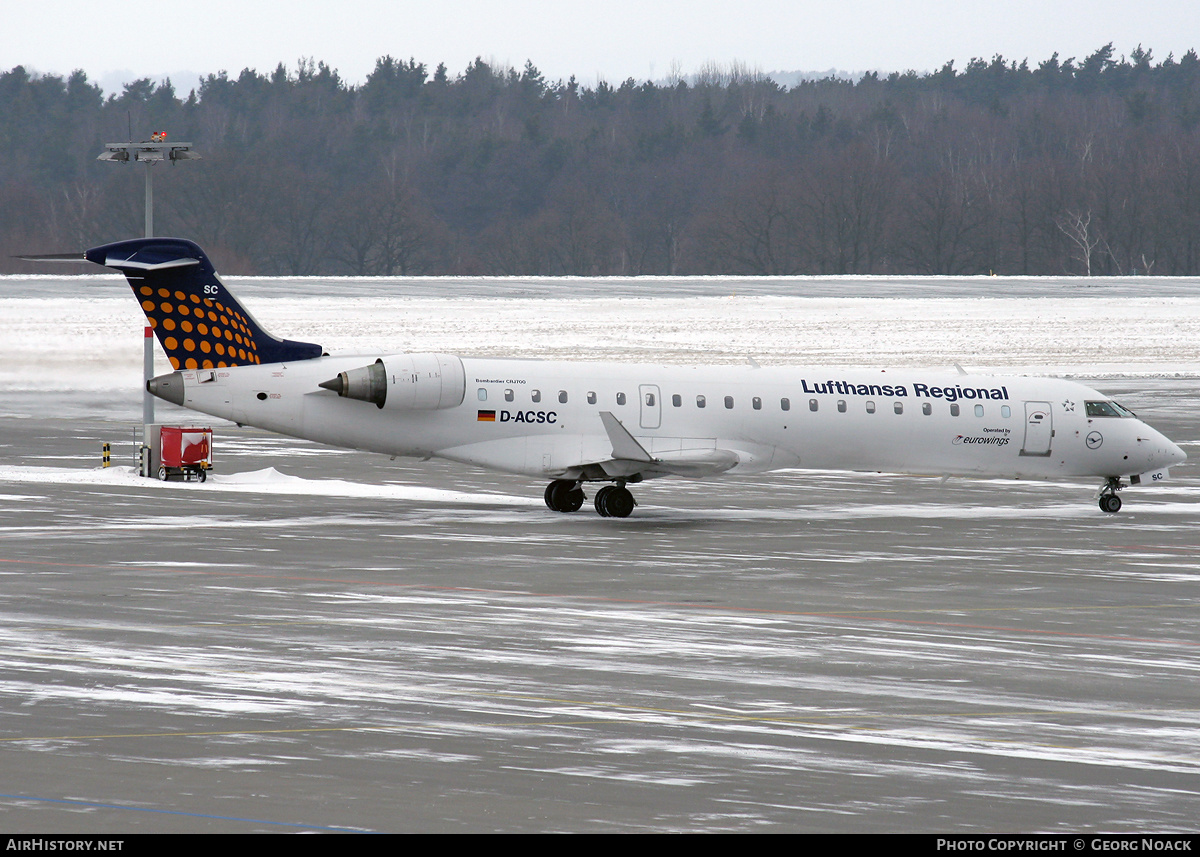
<point>625,448</point>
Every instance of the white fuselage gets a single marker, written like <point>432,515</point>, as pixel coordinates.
<point>543,418</point>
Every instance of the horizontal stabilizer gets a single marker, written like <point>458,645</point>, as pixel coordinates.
<point>53,257</point>
<point>139,265</point>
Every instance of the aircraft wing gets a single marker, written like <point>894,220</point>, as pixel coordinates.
<point>629,456</point>
<point>696,463</point>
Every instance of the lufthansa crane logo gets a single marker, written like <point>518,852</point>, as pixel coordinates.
<point>1093,440</point>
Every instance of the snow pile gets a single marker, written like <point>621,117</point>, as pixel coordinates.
<point>266,481</point>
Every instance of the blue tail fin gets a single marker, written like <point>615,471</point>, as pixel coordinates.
<point>198,322</point>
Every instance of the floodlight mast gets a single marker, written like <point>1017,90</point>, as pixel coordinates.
<point>149,152</point>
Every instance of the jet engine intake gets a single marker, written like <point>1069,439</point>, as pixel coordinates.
<point>405,381</point>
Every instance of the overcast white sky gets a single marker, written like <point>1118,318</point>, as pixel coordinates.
<point>612,40</point>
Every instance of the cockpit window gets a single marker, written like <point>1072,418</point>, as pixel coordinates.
<point>1107,409</point>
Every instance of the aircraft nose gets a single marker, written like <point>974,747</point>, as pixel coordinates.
<point>1163,452</point>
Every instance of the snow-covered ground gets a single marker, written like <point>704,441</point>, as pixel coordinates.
<point>85,333</point>
<point>265,481</point>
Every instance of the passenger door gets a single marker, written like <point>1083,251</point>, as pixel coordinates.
<point>1039,429</point>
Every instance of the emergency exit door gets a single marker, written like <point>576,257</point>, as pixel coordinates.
<point>651,412</point>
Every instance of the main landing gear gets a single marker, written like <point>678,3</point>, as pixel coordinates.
<point>1109,501</point>
<point>612,501</point>
<point>564,495</point>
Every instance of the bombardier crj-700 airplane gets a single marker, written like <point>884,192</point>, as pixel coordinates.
<point>617,424</point>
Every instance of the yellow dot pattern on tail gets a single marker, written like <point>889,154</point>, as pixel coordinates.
<point>196,319</point>
<point>196,332</point>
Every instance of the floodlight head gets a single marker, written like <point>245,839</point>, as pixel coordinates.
<point>148,151</point>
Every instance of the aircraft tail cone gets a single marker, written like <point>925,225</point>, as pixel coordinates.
<point>169,387</point>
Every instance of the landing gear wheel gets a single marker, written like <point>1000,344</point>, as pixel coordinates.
<point>1110,503</point>
<point>601,500</point>
<point>613,501</point>
<point>563,495</point>
<point>162,474</point>
<point>620,503</point>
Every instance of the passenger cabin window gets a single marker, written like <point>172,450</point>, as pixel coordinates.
<point>870,407</point>
<point>812,404</point>
<point>841,406</point>
<point>649,400</point>
<point>591,397</point>
<point>508,395</point>
<point>756,403</point>
<point>700,403</point>
<point>536,395</point>
<point>562,397</point>
<point>979,410</point>
<point>482,394</point>
<point>898,407</point>
<point>729,402</point>
<point>954,410</point>
<point>1005,411</point>
<point>926,409</point>
<point>677,400</point>
<point>620,398</point>
<point>785,404</point>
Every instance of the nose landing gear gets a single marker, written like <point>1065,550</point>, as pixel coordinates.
<point>1109,501</point>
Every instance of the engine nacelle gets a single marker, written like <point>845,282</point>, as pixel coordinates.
<point>423,382</point>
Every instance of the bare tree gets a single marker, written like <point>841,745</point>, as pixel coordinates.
<point>1077,227</point>
<point>752,228</point>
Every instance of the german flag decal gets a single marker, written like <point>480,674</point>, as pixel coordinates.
<point>486,417</point>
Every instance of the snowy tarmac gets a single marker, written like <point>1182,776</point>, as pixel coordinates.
<point>323,640</point>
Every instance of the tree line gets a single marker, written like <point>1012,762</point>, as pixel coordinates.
<point>1069,166</point>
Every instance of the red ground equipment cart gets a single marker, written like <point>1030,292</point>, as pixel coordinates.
<point>185,452</point>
